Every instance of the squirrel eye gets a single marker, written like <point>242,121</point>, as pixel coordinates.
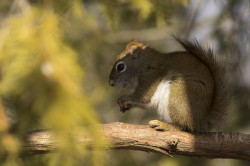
<point>121,67</point>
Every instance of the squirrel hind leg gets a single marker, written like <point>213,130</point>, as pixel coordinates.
<point>162,126</point>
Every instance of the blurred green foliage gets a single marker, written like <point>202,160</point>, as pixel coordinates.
<point>56,55</point>
<point>41,79</point>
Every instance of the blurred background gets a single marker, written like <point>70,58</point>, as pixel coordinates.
<point>55,59</point>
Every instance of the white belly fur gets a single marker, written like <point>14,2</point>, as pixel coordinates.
<point>160,100</point>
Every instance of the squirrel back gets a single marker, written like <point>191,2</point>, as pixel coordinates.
<point>222,95</point>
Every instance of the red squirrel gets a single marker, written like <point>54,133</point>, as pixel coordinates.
<point>187,89</point>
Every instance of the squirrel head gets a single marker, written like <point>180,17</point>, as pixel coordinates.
<point>125,68</point>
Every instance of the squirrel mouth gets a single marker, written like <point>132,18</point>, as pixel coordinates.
<point>123,84</point>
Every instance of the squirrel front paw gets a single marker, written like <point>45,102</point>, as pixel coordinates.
<point>124,104</point>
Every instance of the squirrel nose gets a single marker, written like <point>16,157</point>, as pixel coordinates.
<point>111,83</point>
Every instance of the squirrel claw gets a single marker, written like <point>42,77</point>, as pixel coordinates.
<point>161,126</point>
<point>124,105</point>
<point>124,109</point>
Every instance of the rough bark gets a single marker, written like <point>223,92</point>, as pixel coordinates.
<point>143,138</point>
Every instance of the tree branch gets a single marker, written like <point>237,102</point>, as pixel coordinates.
<point>143,138</point>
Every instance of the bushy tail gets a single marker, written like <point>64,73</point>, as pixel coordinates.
<point>222,93</point>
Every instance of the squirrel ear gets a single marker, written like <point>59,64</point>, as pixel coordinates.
<point>132,46</point>
<point>133,40</point>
